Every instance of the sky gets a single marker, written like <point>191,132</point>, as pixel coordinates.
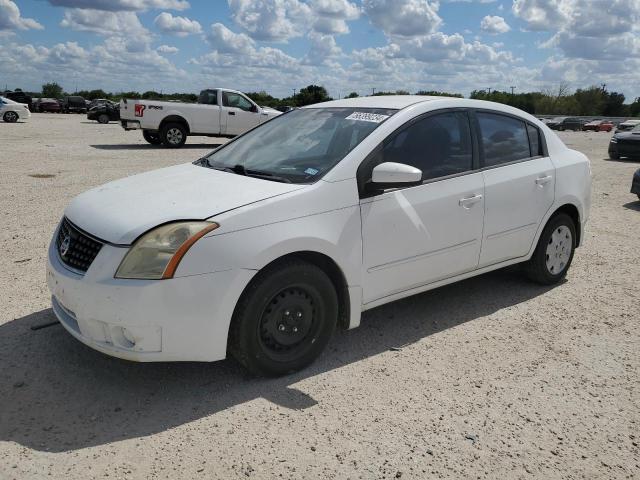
<point>359,45</point>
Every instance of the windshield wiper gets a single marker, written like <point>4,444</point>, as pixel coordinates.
<point>241,170</point>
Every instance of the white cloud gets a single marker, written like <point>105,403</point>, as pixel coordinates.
<point>10,18</point>
<point>403,17</point>
<point>103,23</point>
<point>271,20</point>
<point>332,15</point>
<point>494,25</point>
<point>167,49</point>
<point>223,40</point>
<point>179,26</point>
<point>122,5</point>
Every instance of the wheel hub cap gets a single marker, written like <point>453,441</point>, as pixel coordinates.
<point>559,250</point>
<point>287,320</point>
<point>174,136</point>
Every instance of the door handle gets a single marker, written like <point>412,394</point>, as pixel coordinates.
<point>468,202</point>
<point>232,113</point>
<point>543,180</point>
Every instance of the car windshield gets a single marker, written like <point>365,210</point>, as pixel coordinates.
<point>636,128</point>
<point>300,146</point>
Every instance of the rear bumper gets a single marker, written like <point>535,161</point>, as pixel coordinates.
<point>130,124</point>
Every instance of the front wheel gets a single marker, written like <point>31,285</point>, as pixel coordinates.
<point>554,252</point>
<point>103,118</point>
<point>614,156</point>
<point>173,135</point>
<point>151,137</point>
<point>10,117</point>
<point>284,319</point>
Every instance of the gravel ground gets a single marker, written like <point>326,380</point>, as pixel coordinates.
<point>493,377</point>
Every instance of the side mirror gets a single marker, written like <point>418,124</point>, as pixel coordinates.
<point>391,175</point>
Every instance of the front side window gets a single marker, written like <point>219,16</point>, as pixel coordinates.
<point>236,101</point>
<point>504,139</point>
<point>439,145</point>
<point>299,146</point>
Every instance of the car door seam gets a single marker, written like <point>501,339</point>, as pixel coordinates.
<point>420,256</point>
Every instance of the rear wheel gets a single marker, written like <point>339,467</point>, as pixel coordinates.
<point>284,319</point>
<point>554,252</point>
<point>173,135</point>
<point>10,117</point>
<point>151,137</point>
<point>103,118</point>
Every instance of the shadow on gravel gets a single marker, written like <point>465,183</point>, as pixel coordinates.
<point>146,146</point>
<point>58,395</point>
<point>633,205</point>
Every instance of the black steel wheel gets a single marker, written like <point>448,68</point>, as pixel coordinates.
<point>284,319</point>
<point>103,118</point>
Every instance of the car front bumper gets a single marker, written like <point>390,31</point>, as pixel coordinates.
<point>625,149</point>
<point>181,319</point>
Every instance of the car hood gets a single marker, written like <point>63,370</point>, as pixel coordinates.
<point>120,211</point>
<point>634,136</point>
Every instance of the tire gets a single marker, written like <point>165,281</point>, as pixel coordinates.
<point>10,117</point>
<point>553,254</point>
<point>152,138</point>
<point>614,156</point>
<point>173,135</point>
<point>284,319</point>
<point>103,118</point>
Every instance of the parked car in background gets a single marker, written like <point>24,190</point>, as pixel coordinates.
<point>627,125</point>
<point>635,183</point>
<point>625,144</point>
<point>265,246</point>
<point>11,111</point>
<point>19,96</point>
<point>566,123</point>
<point>74,104</point>
<point>105,113</point>
<point>219,112</point>
<point>48,105</point>
<point>98,101</point>
<point>598,126</point>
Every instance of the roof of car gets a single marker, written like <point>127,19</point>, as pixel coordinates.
<point>381,101</point>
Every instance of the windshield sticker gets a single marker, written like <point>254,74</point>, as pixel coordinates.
<point>367,117</point>
<point>311,171</point>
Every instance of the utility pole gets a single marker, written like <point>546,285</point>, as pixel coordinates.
<point>604,87</point>
<point>489,91</point>
<point>294,92</point>
<point>512,89</point>
<point>373,91</point>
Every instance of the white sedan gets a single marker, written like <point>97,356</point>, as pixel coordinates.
<point>11,111</point>
<point>265,246</point>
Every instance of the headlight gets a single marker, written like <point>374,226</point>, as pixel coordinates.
<point>156,254</point>
<point>614,140</point>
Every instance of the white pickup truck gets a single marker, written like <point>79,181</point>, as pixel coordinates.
<point>219,113</point>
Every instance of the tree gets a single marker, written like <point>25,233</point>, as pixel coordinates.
<point>614,105</point>
<point>435,93</point>
<point>353,95</point>
<point>634,108</point>
<point>311,94</point>
<point>51,90</point>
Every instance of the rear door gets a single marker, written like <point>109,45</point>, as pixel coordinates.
<point>519,180</point>
<point>239,113</point>
<point>205,117</point>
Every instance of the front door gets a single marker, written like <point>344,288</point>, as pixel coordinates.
<point>421,234</point>
<point>241,115</point>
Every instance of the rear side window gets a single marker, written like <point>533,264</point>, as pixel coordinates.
<point>208,97</point>
<point>504,139</point>
<point>439,145</point>
<point>535,144</point>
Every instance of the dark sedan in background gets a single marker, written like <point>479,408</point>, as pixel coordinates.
<point>625,144</point>
<point>566,123</point>
<point>47,105</point>
<point>105,113</point>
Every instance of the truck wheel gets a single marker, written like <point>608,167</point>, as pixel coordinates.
<point>103,118</point>
<point>173,135</point>
<point>151,137</point>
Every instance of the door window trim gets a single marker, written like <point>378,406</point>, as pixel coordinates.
<point>476,123</point>
<point>361,174</point>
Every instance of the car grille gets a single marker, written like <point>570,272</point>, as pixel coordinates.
<point>76,248</point>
